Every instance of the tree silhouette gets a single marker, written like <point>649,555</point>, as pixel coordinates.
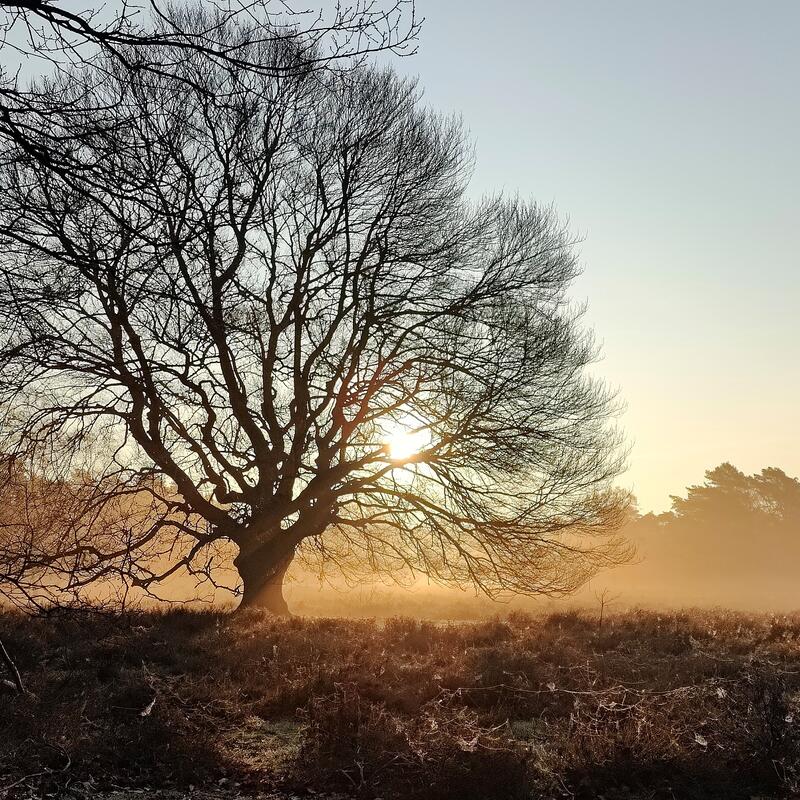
<point>137,37</point>
<point>768,497</point>
<point>131,31</point>
<point>731,540</point>
<point>266,314</point>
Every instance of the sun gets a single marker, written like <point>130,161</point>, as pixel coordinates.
<point>406,442</point>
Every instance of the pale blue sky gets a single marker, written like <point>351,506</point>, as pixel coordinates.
<point>668,133</point>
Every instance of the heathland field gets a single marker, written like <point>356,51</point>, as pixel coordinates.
<point>179,704</point>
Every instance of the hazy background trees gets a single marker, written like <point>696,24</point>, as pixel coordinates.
<point>733,540</point>
<point>259,306</point>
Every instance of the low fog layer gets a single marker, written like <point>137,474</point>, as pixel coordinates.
<point>732,542</point>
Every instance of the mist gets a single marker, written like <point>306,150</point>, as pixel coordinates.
<point>732,542</point>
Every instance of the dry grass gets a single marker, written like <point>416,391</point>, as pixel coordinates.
<point>690,705</point>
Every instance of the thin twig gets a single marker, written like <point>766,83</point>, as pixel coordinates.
<point>12,668</point>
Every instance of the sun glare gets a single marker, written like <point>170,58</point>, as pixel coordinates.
<point>404,444</point>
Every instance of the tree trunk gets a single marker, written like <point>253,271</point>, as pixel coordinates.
<point>262,572</point>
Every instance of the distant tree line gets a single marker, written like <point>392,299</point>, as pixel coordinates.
<point>732,540</point>
<point>733,501</point>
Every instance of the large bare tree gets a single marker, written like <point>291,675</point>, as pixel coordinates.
<point>127,30</point>
<point>268,315</point>
<point>56,37</point>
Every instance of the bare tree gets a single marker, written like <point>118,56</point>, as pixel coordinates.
<point>605,597</point>
<point>129,30</point>
<point>268,316</point>
<point>133,36</point>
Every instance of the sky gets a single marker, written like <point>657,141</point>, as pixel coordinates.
<point>668,134</point>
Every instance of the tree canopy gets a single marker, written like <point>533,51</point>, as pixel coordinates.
<point>732,540</point>
<point>728,494</point>
<point>256,284</point>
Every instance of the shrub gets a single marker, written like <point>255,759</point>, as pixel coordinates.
<point>442,753</point>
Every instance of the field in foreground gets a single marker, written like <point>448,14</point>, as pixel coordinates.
<point>687,705</point>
